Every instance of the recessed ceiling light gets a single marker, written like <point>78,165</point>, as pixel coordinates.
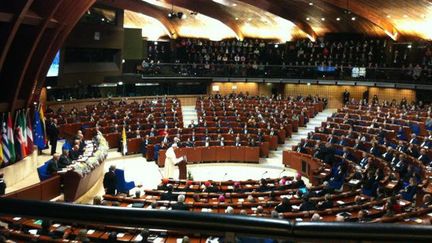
<point>234,4</point>
<point>236,18</point>
<point>249,19</point>
<point>307,18</point>
<point>322,19</point>
<point>310,3</point>
<point>353,18</point>
<point>405,16</point>
<point>388,16</point>
<point>337,19</point>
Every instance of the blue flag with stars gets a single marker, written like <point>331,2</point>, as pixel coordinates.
<point>39,139</point>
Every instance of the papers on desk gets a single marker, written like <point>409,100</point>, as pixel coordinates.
<point>159,240</point>
<point>327,169</point>
<point>378,207</point>
<point>138,238</point>
<point>340,202</point>
<point>33,231</point>
<point>354,181</point>
<point>120,235</point>
<point>296,207</point>
<point>261,198</point>
<point>56,225</point>
<point>299,219</point>
<point>179,240</point>
<point>402,203</point>
<point>230,187</point>
<point>248,185</point>
<point>89,232</point>
<point>149,197</point>
<point>163,208</point>
<point>429,214</point>
<point>16,218</point>
<point>212,239</point>
<point>240,200</point>
<point>254,208</point>
<point>206,210</point>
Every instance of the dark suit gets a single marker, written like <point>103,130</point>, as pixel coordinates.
<point>64,161</point>
<point>52,133</point>
<point>110,183</point>
<point>52,167</point>
<point>2,187</point>
<point>74,154</point>
<point>283,208</point>
<point>180,206</point>
<point>168,196</point>
<point>424,159</point>
<point>388,157</point>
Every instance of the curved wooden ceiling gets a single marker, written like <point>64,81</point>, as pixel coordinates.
<point>312,18</point>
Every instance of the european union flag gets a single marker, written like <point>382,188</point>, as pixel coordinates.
<point>38,134</point>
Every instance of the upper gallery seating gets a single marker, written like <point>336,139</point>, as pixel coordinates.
<point>253,56</point>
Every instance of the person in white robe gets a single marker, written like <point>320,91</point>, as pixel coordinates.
<point>171,161</point>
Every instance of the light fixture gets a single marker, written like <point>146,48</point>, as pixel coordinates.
<point>405,16</point>
<point>234,4</point>
<point>388,16</point>
<point>249,19</point>
<point>310,3</point>
<point>120,83</point>
<point>236,18</point>
<point>155,43</point>
<point>338,19</point>
<point>308,84</point>
<point>276,46</point>
<point>353,18</point>
<point>307,18</point>
<point>48,87</point>
<point>322,19</point>
<point>409,46</point>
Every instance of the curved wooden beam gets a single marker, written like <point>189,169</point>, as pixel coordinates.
<point>20,14</point>
<point>287,10</point>
<point>147,9</point>
<point>69,14</point>
<point>212,10</point>
<point>362,10</point>
<point>47,11</point>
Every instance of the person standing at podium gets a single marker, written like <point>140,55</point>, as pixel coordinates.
<point>171,161</point>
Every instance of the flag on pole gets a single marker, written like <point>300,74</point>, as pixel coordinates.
<point>43,125</point>
<point>38,134</point>
<point>1,153</point>
<point>124,141</point>
<point>20,128</point>
<point>4,138</point>
<point>11,140</point>
<point>29,132</point>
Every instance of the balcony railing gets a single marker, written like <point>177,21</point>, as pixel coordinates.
<point>228,226</point>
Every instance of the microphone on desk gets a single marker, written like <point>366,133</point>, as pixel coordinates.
<point>282,172</point>
<point>264,174</point>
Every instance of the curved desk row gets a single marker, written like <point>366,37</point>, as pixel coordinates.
<point>215,154</point>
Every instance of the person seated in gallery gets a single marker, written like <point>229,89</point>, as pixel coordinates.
<point>237,141</point>
<point>427,201</point>
<point>53,166</point>
<point>210,187</point>
<point>64,160</point>
<point>424,158</point>
<point>284,206</point>
<point>168,195</point>
<point>180,205</point>
<point>307,205</point>
<point>252,143</point>
<point>75,153</point>
<point>327,203</point>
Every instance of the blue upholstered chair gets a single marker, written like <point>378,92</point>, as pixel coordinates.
<point>122,185</point>
<point>42,172</point>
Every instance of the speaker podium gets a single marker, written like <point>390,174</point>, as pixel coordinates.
<point>182,170</point>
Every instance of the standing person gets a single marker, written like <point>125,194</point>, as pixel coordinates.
<point>171,161</point>
<point>110,181</point>
<point>52,133</point>
<point>2,185</point>
<point>346,96</point>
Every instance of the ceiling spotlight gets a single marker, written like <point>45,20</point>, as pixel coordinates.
<point>236,18</point>
<point>276,46</point>
<point>170,15</point>
<point>337,19</point>
<point>307,18</point>
<point>388,16</point>
<point>409,46</point>
<point>353,18</point>
<point>249,19</point>
<point>234,4</point>
<point>322,19</point>
<point>405,16</point>
<point>310,3</point>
